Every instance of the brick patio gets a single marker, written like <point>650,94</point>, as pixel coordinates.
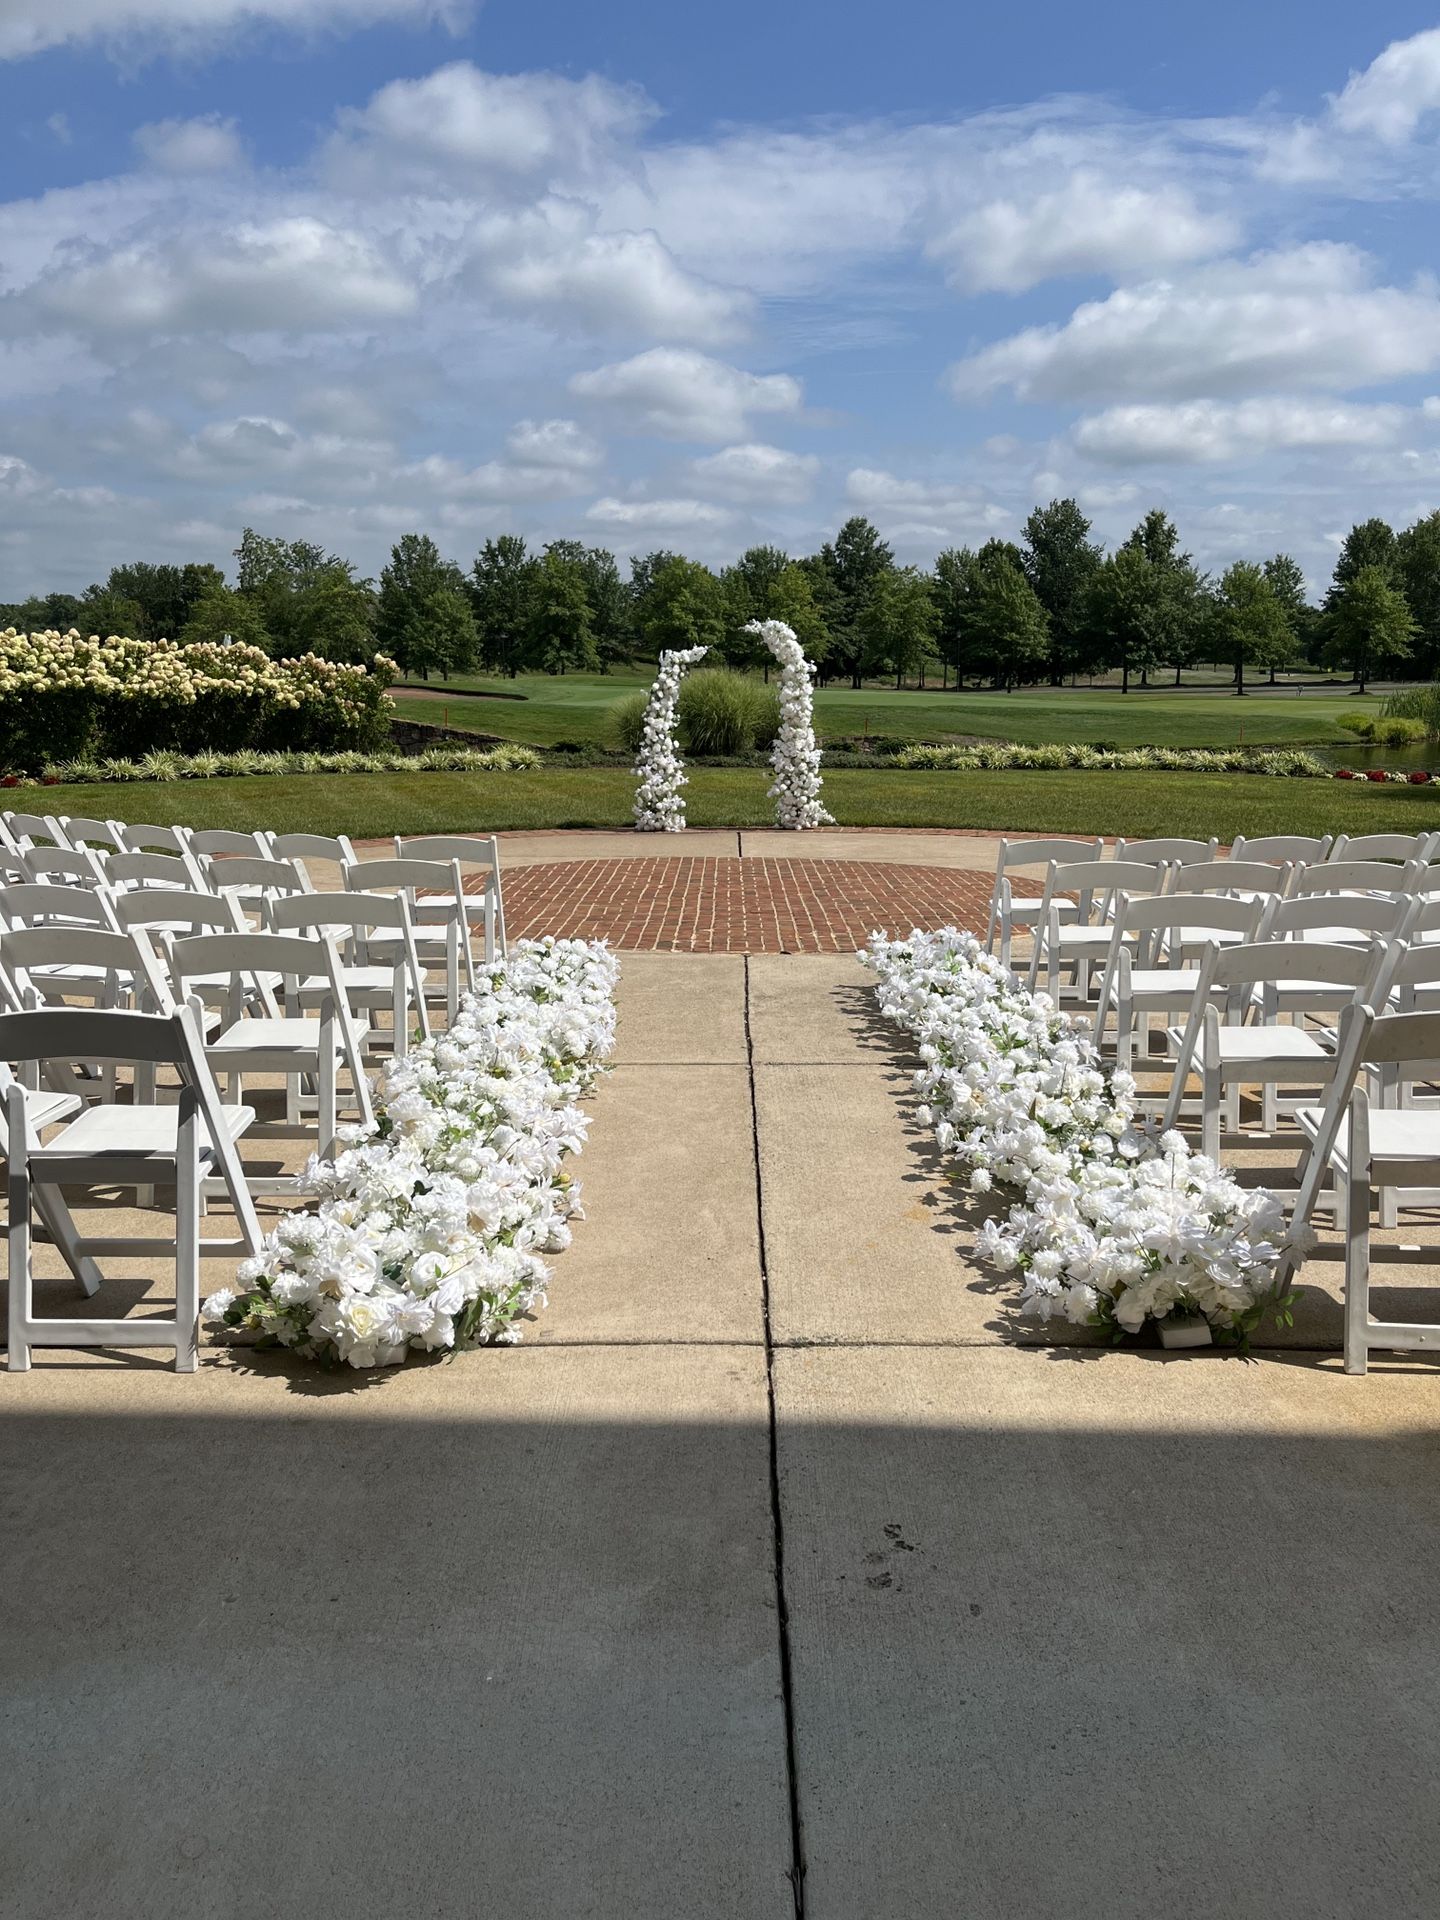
<point>685,905</point>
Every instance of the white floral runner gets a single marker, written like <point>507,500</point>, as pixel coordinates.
<point>1114,1227</point>
<point>430,1232</point>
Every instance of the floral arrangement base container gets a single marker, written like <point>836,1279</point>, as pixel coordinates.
<point>1180,1330</point>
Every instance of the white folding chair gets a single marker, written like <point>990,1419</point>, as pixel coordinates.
<point>120,1145</point>
<point>61,867</point>
<point>475,855</point>
<point>79,830</point>
<point>257,1038</point>
<point>1010,915</point>
<point>1356,876</point>
<point>120,871</point>
<point>36,904</point>
<point>1363,1148</point>
<point>433,892</point>
<point>395,982</point>
<point>1284,849</point>
<point>1175,853</point>
<point>28,830</point>
<point>1338,920</point>
<point>1230,1043</point>
<point>255,883</point>
<point>1403,847</point>
<point>1168,933</point>
<point>138,836</point>
<point>311,851</point>
<point>209,843</point>
<point>1081,938</point>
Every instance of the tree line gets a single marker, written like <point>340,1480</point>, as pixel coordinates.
<point>1048,608</point>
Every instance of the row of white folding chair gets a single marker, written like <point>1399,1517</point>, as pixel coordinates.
<point>483,902</point>
<point>186,1144</point>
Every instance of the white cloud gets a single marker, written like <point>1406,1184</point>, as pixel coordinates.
<point>495,480</point>
<point>548,260</point>
<point>290,273</point>
<point>1091,224</point>
<point>757,475</point>
<point>206,145</point>
<point>657,516</point>
<point>1395,92</point>
<point>1309,317</point>
<point>31,26</point>
<point>683,395</point>
<point>918,511</point>
<point>527,128</point>
<point>553,443</point>
<point>1213,430</point>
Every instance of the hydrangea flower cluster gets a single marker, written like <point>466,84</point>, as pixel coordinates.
<point>430,1231</point>
<point>795,755</point>
<point>1114,1227</point>
<point>65,693</point>
<point>659,803</point>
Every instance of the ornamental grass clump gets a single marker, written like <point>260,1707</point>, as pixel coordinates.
<point>1113,1228</point>
<point>1002,756</point>
<point>431,1231</point>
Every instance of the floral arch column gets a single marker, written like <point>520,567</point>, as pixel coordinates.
<point>659,803</point>
<point>795,755</point>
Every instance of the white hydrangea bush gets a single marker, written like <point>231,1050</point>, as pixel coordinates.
<point>795,756</point>
<point>659,801</point>
<point>431,1231</point>
<point>1113,1227</point>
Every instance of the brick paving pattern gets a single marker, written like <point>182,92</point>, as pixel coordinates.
<point>679,905</point>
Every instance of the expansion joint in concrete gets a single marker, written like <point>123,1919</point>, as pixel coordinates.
<point>777,1516</point>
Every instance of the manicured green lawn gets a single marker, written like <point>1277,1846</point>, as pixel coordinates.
<point>574,707</point>
<point>1135,804</point>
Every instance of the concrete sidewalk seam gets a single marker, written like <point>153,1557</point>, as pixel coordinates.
<point>777,1517</point>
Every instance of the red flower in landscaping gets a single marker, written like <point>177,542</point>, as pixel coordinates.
<point>10,780</point>
<point>1419,778</point>
<point>1375,773</point>
<point>1344,773</point>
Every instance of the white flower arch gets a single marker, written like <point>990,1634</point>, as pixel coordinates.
<point>659,803</point>
<point>795,755</point>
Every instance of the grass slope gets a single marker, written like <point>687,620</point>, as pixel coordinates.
<point>574,707</point>
<point>1136,804</point>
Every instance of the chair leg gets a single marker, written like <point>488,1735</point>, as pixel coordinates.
<point>327,1094</point>
<point>1357,1274</point>
<point>1210,1099</point>
<point>1269,1106</point>
<point>187,1238</point>
<point>22,1278</point>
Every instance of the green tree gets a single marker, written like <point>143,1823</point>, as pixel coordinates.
<point>1370,624</point>
<point>854,561</point>
<point>1250,623</point>
<point>898,621</point>
<point>766,584</point>
<point>1417,568</point>
<point>1177,597</point>
<point>220,614</point>
<point>166,595</point>
<point>605,595</point>
<point>1370,543</point>
<point>1060,562</point>
<point>1002,629</point>
<point>502,596</point>
<point>279,575</point>
<point>685,606</point>
<point>561,636</point>
<point>1287,583</point>
<point>423,618</point>
<point>1128,612</point>
<point>104,612</point>
<point>336,619</point>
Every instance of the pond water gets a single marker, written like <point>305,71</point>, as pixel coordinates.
<point>1363,754</point>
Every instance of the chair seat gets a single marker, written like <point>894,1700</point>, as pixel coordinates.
<point>129,1134</point>
<point>1245,1046</point>
<point>1174,985</point>
<point>1397,1135</point>
<point>355,980</point>
<point>289,1034</point>
<point>1094,940</point>
<point>44,1108</point>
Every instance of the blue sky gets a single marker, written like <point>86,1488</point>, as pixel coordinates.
<point>697,277</point>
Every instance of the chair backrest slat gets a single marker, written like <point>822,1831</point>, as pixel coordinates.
<point>1280,848</point>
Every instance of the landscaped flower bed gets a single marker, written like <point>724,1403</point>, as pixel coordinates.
<point>251,763</point>
<point>431,1232</point>
<point>1113,1228</point>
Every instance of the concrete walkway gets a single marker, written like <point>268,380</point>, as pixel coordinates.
<point>768,1571</point>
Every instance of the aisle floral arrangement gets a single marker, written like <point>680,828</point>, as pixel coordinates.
<point>659,803</point>
<point>795,756</point>
<point>431,1231</point>
<point>1113,1227</point>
